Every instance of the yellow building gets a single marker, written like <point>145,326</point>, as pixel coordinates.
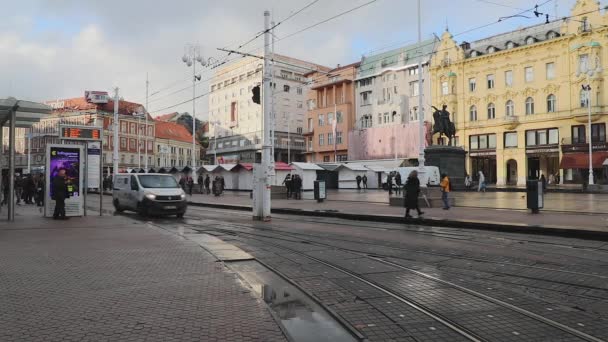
<point>518,102</point>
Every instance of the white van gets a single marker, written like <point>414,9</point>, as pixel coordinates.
<point>428,176</point>
<point>149,193</point>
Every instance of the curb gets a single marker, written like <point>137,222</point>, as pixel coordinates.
<point>561,231</point>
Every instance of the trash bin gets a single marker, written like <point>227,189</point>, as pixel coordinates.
<point>535,195</point>
<point>320,191</point>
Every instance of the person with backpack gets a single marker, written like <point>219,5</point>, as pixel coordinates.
<point>446,187</point>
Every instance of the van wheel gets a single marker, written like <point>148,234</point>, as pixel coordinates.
<point>117,206</point>
<point>180,215</point>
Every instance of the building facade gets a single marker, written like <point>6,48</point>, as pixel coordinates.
<point>331,113</point>
<point>387,103</point>
<point>173,146</point>
<point>236,126</point>
<point>517,99</point>
<point>82,111</point>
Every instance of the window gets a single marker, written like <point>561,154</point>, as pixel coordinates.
<point>473,113</point>
<point>472,84</point>
<point>286,88</point>
<point>491,111</point>
<point>379,118</point>
<point>299,91</point>
<point>529,106</point>
<point>300,104</point>
<point>386,118</point>
<point>542,137</point>
<point>412,71</point>
<point>339,117</point>
<point>414,89</point>
<point>310,128</point>
<point>509,108</point>
<point>366,98</point>
<point>366,82</point>
<point>551,104</point>
<point>550,70</point>
<point>321,140</point>
<point>330,118</point>
<point>414,114</point>
<point>310,144</point>
<point>509,78</point>
<point>578,134</point>
<point>510,139</point>
<point>312,104</point>
<point>123,143</point>
<point>482,142</point>
<point>233,114</point>
<point>529,74</point>
<point>583,63</point>
<point>338,138</point>
<point>490,81</point>
<point>445,89</point>
<point>584,96</point>
<point>321,120</point>
<point>598,132</point>
<point>330,138</point>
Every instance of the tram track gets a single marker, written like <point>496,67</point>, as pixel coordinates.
<point>451,324</point>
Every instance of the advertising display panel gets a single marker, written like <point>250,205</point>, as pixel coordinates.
<point>70,158</point>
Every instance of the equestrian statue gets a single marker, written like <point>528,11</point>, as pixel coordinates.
<point>443,125</point>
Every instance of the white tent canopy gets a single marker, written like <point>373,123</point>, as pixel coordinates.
<point>308,172</point>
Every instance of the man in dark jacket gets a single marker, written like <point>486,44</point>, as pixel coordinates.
<point>411,193</point>
<point>200,181</point>
<point>60,193</point>
<point>398,182</point>
<point>297,187</point>
<point>207,184</point>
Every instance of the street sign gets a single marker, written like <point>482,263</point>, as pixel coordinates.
<point>80,132</point>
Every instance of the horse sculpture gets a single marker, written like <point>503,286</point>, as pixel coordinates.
<point>443,125</point>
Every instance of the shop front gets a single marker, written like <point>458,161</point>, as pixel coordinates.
<point>575,163</point>
<point>542,154</point>
<point>482,155</point>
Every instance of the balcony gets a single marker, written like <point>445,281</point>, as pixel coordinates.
<point>511,121</point>
<point>309,132</point>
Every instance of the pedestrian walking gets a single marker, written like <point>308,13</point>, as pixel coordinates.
<point>4,190</point>
<point>411,193</point>
<point>358,179</point>
<point>200,181</point>
<point>18,188</point>
<point>190,183</point>
<point>182,183</point>
<point>287,183</point>
<point>222,184</point>
<point>364,179</point>
<point>398,183</point>
<point>544,182</point>
<point>446,187</point>
<point>29,189</point>
<point>389,183</point>
<point>207,183</point>
<point>60,193</point>
<point>297,187</point>
<point>482,182</point>
<point>468,182</point>
<point>216,186</point>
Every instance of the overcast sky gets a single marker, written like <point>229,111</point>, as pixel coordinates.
<point>57,49</point>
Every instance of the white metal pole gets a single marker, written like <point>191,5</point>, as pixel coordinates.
<point>11,165</point>
<point>193,108</point>
<point>267,166</point>
<point>29,152</point>
<point>591,180</point>
<point>138,143</point>
<point>146,129</point>
<point>335,131</point>
<point>274,114</point>
<point>288,139</point>
<point>116,124</point>
<point>215,142</point>
<point>420,103</point>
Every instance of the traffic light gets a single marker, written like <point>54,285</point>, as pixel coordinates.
<point>256,94</point>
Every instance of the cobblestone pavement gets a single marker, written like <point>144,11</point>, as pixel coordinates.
<point>118,279</point>
<point>496,286</point>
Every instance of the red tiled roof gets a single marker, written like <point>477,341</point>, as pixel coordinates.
<point>172,131</point>
<point>166,117</point>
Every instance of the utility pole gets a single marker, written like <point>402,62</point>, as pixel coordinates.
<point>263,211</point>
<point>420,88</point>
<point>116,123</point>
<point>146,130</point>
<point>274,114</point>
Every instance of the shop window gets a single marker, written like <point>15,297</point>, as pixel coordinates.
<point>482,142</point>
<point>598,132</point>
<point>542,137</point>
<point>578,134</point>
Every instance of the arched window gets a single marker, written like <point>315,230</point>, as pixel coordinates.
<point>510,45</point>
<point>473,113</point>
<point>551,104</point>
<point>509,108</point>
<point>584,98</point>
<point>551,35</point>
<point>491,111</point>
<point>529,106</point>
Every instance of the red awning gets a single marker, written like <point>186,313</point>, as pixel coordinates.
<point>247,166</point>
<point>279,166</point>
<point>580,160</point>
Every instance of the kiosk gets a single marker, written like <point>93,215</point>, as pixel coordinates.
<point>70,158</point>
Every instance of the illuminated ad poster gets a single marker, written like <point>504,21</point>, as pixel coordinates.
<point>68,157</point>
<point>93,164</point>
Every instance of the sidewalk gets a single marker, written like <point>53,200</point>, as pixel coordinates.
<point>113,278</point>
<point>587,225</point>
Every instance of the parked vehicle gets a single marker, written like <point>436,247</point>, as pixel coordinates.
<point>149,194</point>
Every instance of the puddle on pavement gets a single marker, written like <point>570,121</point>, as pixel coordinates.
<point>304,320</point>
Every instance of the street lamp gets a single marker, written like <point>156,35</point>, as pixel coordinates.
<point>139,114</point>
<point>192,55</point>
<point>215,124</point>
<point>589,72</point>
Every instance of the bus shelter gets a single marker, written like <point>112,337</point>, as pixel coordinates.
<point>17,114</point>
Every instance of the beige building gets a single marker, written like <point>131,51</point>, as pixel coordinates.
<point>517,99</point>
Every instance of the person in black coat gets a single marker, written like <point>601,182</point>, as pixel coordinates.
<point>411,193</point>
<point>60,193</point>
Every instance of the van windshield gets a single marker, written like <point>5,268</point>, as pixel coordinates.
<point>157,181</point>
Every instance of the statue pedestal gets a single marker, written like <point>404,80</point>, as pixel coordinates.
<point>450,160</point>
